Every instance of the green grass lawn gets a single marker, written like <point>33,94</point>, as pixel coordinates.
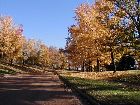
<point>3,71</point>
<point>117,91</point>
<point>133,78</point>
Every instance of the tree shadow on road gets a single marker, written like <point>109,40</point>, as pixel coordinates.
<point>30,91</point>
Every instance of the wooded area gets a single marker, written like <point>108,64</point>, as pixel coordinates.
<point>106,34</point>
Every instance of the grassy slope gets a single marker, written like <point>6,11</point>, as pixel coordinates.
<point>122,88</point>
<point>4,71</point>
<point>13,69</point>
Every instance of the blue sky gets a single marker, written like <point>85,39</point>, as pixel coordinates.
<point>45,20</point>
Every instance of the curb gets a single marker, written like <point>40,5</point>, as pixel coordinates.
<point>89,100</point>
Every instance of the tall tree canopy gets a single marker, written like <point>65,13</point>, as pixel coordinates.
<point>104,32</point>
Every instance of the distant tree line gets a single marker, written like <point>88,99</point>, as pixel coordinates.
<point>16,49</point>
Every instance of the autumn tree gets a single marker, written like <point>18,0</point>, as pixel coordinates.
<point>88,34</point>
<point>11,39</point>
<point>131,22</point>
<point>131,9</point>
<point>101,34</point>
<point>15,47</point>
<point>43,55</point>
<point>57,58</point>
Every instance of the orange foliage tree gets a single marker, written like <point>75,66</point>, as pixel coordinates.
<point>99,35</point>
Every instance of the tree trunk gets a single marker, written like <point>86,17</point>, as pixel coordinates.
<point>98,65</point>
<point>11,61</point>
<point>83,66</point>
<point>113,62</point>
<point>139,33</point>
<point>33,61</point>
<point>90,67</point>
<point>69,67</point>
<point>23,62</point>
<point>76,68</point>
<point>2,55</point>
<point>138,28</point>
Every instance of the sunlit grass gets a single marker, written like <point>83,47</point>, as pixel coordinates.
<point>3,71</point>
<point>112,91</point>
<point>7,67</point>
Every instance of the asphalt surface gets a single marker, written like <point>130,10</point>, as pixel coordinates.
<point>25,89</point>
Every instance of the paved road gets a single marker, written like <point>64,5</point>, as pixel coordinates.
<point>28,89</point>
